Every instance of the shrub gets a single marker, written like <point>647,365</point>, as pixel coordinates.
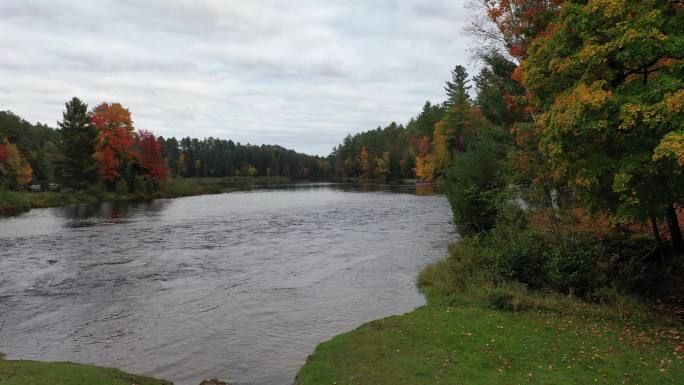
<point>121,187</point>
<point>520,255</point>
<point>574,268</point>
<point>634,265</point>
<point>13,203</point>
<point>509,297</point>
<point>466,266</point>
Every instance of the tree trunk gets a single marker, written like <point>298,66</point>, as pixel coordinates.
<point>656,232</point>
<point>675,230</point>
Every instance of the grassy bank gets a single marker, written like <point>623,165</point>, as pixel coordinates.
<point>63,373</point>
<point>481,326</point>
<point>462,339</point>
<point>15,202</point>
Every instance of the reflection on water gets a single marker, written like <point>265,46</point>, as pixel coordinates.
<point>240,286</point>
<point>83,215</point>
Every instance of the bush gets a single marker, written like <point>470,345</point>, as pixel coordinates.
<point>574,268</point>
<point>634,265</point>
<point>13,203</point>
<point>509,297</point>
<point>121,187</point>
<point>520,255</point>
<point>465,267</point>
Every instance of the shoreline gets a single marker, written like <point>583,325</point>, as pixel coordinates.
<point>18,202</point>
<point>467,338</point>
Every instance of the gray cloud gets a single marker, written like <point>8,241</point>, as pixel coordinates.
<point>302,74</point>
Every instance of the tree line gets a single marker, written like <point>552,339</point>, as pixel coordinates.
<point>568,156</point>
<point>101,146</point>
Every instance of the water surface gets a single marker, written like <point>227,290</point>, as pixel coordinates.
<point>239,286</point>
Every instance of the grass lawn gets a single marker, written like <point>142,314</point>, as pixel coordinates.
<point>458,340</point>
<point>63,373</point>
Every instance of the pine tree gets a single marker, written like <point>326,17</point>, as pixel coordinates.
<point>459,121</point>
<point>457,88</point>
<point>79,135</point>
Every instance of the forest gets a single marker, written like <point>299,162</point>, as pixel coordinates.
<point>565,176</point>
<point>101,147</point>
<point>563,156</point>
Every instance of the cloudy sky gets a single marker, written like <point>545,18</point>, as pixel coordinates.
<point>301,73</point>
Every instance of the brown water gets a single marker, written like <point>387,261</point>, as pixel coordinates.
<point>239,286</point>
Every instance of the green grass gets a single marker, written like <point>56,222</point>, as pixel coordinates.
<point>15,202</point>
<point>64,373</point>
<point>460,339</point>
<point>12,203</point>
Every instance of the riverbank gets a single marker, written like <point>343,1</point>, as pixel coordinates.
<point>65,373</point>
<point>15,202</point>
<point>475,337</point>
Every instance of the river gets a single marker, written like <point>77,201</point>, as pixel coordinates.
<point>239,286</point>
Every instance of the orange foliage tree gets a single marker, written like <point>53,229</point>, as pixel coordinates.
<point>365,162</point>
<point>115,140</point>
<point>15,171</point>
<point>520,21</point>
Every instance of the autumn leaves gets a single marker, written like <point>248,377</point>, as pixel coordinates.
<point>121,151</point>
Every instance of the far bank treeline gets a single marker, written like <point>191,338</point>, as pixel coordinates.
<point>101,146</point>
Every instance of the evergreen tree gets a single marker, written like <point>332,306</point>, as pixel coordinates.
<point>457,88</point>
<point>460,119</point>
<point>499,96</point>
<point>79,137</point>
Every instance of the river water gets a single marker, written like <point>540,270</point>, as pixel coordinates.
<point>239,286</point>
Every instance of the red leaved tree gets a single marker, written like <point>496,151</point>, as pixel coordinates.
<point>114,148</point>
<point>520,21</point>
<point>149,154</point>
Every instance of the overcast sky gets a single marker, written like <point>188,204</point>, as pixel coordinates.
<point>301,74</point>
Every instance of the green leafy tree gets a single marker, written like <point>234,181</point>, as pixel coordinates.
<point>608,79</point>
<point>79,136</point>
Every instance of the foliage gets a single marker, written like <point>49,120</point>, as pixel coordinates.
<point>149,157</point>
<point>37,143</point>
<point>13,203</point>
<point>608,79</point>
<point>519,22</point>
<point>115,139</point>
<point>573,267</point>
<point>15,171</point>
<point>500,98</point>
<point>457,88</point>
<point>79,137</point>
<point>672,145</point>
<point>475,181</point>
<point>212,157</point>
<point>380,153</point>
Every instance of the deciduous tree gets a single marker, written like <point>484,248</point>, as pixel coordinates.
<point>15,171</point>
<point>115,140</point>
<point>608,79</point>
<point>149,157</point>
